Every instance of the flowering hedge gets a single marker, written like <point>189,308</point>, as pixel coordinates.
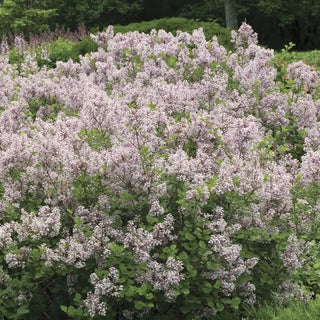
<point>162,177</point>
<point>61,45</point>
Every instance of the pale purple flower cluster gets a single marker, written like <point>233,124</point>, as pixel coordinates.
<point>45,224</point>
<point>5,235</point>
<point>303,76</point>
<point>105,287</point>
<point>292,257</point>
<point>290,291</point>
<point>163,277</point>
<point>220,243</point>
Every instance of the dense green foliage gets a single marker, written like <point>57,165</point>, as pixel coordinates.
<point>24,16</point>
<point>310,57</point>
<point>63,50</point>
<point>95,13</point>
<point>292,20</point>
<point>292,311</point>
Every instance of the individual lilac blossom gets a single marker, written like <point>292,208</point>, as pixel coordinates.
<point>311,141</point>
<point>127,314</point>
<point>231,254</point>
<point>206,313</point>
<point>29,64</point>
<point>23,297</point>
<point>218,52</point>
<point>159,190</point>
<point>141,241</point>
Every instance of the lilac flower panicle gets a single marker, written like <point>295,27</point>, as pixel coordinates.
<point>20,44</point>
<point>4,47</point>
<point>293,255</point>
<point>245,35</point>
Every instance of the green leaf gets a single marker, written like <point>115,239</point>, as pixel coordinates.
<point>151,219</point>
<point>127,197</point>
<point>189,236</point>
<point>139,305</point>
<point>131,291</point>
<point>193,273</point>
<point>202,244</point>
<point>149,296</point>
<point>219,306</point>
<point>207,287</point>
<point>226,301</point>
<point>183,256</point>
<point>22,310</point>
<point>64,309</point>
<point>77,297</point>
<point>185,291</point>
<point>235,302</point>
<point>142,290</point>
<point>244,278</point>
<point>211,303</point>
<point>217,285</point>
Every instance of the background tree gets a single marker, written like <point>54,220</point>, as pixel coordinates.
<point>291,20</point>
<point>24,16</point>
<point>95,13</point>
<point>204,10</point>
<point>286,20</point>
<point>231,14</point>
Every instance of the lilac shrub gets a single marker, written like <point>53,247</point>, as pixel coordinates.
<point>161,177</point>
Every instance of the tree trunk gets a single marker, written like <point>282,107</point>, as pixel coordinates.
<point>231,14</point>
